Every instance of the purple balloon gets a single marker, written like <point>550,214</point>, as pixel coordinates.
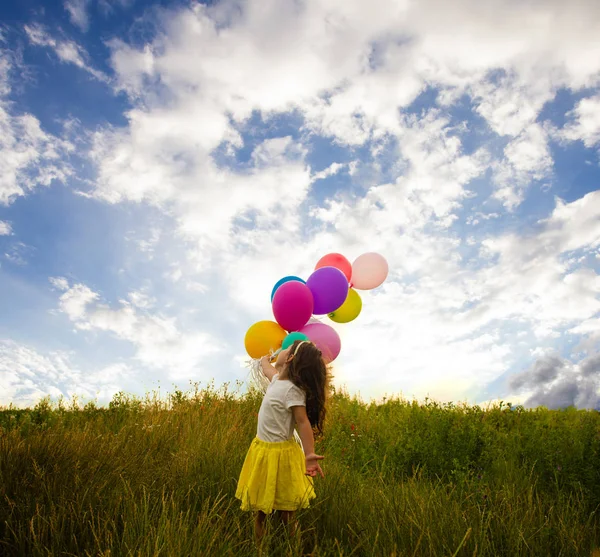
<point>292,305</point>
<point>325,338</point>
<point>329,287</point>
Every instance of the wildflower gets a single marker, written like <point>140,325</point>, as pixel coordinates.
<point>352,427</point>
<point>559,467</point>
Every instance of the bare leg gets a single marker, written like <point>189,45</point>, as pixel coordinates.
<point>259,526</point>
<point>291,524</point>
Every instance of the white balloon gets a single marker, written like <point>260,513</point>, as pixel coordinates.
<point>369,270</point>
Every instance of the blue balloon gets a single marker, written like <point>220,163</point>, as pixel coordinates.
<point>284,280</point>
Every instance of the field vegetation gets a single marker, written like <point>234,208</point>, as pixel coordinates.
<point>157,477</point>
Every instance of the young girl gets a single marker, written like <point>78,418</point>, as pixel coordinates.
<point>276,475</point>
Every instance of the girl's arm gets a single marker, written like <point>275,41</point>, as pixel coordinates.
<point>308,441</point>
<point>267,368</point>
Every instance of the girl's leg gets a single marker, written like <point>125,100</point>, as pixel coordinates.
<point>287,517</point>
<point>259,526</point>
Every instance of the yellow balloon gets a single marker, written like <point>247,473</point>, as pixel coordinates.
<point>349,310</point>
<point>262,337</point>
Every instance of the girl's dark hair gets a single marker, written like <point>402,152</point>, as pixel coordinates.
<point>308,371</point>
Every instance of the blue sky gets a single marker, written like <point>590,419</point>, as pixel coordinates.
<point>164,164</point>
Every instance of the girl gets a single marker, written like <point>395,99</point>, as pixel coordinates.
<point>276,475</point>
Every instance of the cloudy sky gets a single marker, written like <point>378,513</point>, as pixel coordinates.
<point>163,165</point>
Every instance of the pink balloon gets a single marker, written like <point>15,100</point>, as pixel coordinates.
<point>325,338</point>
<point>369,270</point>
<point>293,305</point>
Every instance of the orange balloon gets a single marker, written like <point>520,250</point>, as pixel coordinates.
<point>338,261</point>
<point>264,337</point>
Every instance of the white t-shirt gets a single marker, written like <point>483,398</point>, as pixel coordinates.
<point>275,417</point>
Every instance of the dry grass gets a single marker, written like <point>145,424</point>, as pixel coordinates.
<point>148,478</point>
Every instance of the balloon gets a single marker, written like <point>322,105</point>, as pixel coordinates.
<point>293,305</point>
<point>349,310</point>
<point>369,270</point>
<point>262,337</point>
<point>325,338</point>
<point>329,288</point>
<point>283,281</point>
<point>291,338</point>
<point>338,261</point>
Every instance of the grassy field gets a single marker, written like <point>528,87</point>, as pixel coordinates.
<point>149,477</point>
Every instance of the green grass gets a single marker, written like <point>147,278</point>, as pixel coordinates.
<point>148,477</point>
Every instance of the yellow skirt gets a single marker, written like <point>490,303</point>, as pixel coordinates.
<point>273,478</point>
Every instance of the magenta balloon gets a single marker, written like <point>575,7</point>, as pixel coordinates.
<point>329,287</point>
<point>325,338</point>
<point>292,305</point>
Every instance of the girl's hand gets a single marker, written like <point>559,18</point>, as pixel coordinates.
<point>312,465</point>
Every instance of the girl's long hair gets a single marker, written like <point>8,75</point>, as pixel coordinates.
<point>308,371</point>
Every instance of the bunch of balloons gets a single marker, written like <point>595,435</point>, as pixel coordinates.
<point>330,290</point>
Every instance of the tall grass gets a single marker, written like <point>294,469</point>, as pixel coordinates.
<point>152,477</point>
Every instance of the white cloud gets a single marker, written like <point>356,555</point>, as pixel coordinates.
<point>67,51</point>
<point>74,300</point>
<point>349,70</point>
<point>133,68</point>
<point>585,124</point>
<point>19,253</point>
<point>178,174</point>
<point>141,299</point>
<point>477,217</point>
<point>60,282</point>
<point>107,7</point>
<point>573,226</point>
<point>527,158</point>
<point>148,245</point>
<point>6,66</point>
<point>158,341</point>
<point>29,157</point>
<point>530,279</point>
<point>344,67</point>
<point>26,376</point>
<point>590,329</point>
<point>78,13</point>
<point>512,103</point>
<point>407,342</point>
<point>5,228</point>
<point>439,171</point>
